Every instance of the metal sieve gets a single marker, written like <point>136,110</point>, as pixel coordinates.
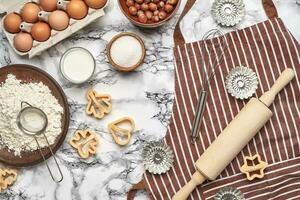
<point>33,122</point>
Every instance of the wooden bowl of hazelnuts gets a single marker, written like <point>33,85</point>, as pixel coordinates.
<point>149,13</point>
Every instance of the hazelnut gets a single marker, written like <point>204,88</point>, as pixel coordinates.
<point>139,1</point>
<point>168,8</point>
<point>144,7</point>
<point>152,6</point>
<point>155,18</point>
<point>149,14</point>
<point>132,10</point>
<point>155,1</point>
<point>172,2</point>
<point>138,6</point>
<point>130,3</point>
<point>156,13</point>
<point>142,18</point>
<point>161,4</point>
<point>140,12</point>
<point>162,15</point>
<point>147,1</point>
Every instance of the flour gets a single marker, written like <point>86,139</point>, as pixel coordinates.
<point>12,93</point>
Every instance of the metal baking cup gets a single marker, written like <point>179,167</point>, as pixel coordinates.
<point>229,193</point>
<point>228,12</point>
<point>241,82</point>
<point>157,157</point>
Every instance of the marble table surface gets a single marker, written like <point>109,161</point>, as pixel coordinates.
<point>146,95</point>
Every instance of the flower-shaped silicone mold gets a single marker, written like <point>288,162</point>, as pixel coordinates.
<point>158,157</point>
<point>7,178</point>
<point>98,104</point>
<point>85,142</point>
<point>228,12</point>
<point>241,82</point>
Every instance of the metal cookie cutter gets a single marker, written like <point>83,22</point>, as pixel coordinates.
<point>241,82</point>
<point>34,130</point>
<point>229,193</point>
<point>228,12</point>
<point>298,2</point>
<point>158,157</point>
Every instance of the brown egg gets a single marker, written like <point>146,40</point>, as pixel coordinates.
<point>59,20</point>
<point>30,12</point>
<point>12,23</point>
<point>40,31</point>
<point>23,42</point>
<point>96,4</point>
<point>48,5</point>
<point>77,9</point>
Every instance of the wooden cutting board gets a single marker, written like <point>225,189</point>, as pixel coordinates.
<point>28,73</point>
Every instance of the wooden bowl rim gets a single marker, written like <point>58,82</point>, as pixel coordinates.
<point>149,25</point>
<point>119,67</point>
<point>66,112</point>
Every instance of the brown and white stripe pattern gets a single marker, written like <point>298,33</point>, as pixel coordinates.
<point>268,48</point>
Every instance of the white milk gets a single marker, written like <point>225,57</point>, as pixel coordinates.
<point>77,65</point>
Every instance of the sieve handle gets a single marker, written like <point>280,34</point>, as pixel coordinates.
<point>24,102</point>
<point>57,165</point>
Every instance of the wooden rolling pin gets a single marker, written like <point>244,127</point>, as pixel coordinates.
<point>235,136</point>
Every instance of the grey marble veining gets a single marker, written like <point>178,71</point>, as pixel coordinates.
<point>146,95</point>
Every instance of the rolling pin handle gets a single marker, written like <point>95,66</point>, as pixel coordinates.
<point>184,192</point>
<point>286,76</point>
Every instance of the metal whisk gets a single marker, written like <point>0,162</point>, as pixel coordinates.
<point>207,75</point>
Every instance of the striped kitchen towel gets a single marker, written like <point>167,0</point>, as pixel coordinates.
<point>267,48</point>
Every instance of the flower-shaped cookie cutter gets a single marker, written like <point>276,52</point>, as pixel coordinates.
<point>158,157</point>
<point>98,104</point>
<point>241,82</point>
<point>228,12</point>
<point>121,135</point>
<point>231,193</point>
<point>85,142</point>
<point>7,178</point>
<point>253,164</point>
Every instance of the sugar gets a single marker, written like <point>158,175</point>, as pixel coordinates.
<point>126,51</point>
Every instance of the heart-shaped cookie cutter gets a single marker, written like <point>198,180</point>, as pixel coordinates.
<point>117,131</point>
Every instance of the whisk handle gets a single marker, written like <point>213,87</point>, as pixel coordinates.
<point>198,115</point>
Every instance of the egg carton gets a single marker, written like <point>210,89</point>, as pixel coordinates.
<point>56,36</point>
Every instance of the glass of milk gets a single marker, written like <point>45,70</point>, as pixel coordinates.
<point>77,65</point>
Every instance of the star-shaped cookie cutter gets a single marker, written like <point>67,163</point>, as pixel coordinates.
<point>250,170</point>
<point>7,178</point>
<point>98,104</point>
<point>117,131</point>
<point>83,138</point>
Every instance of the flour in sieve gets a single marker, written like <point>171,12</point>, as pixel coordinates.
<point>12,93</point>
